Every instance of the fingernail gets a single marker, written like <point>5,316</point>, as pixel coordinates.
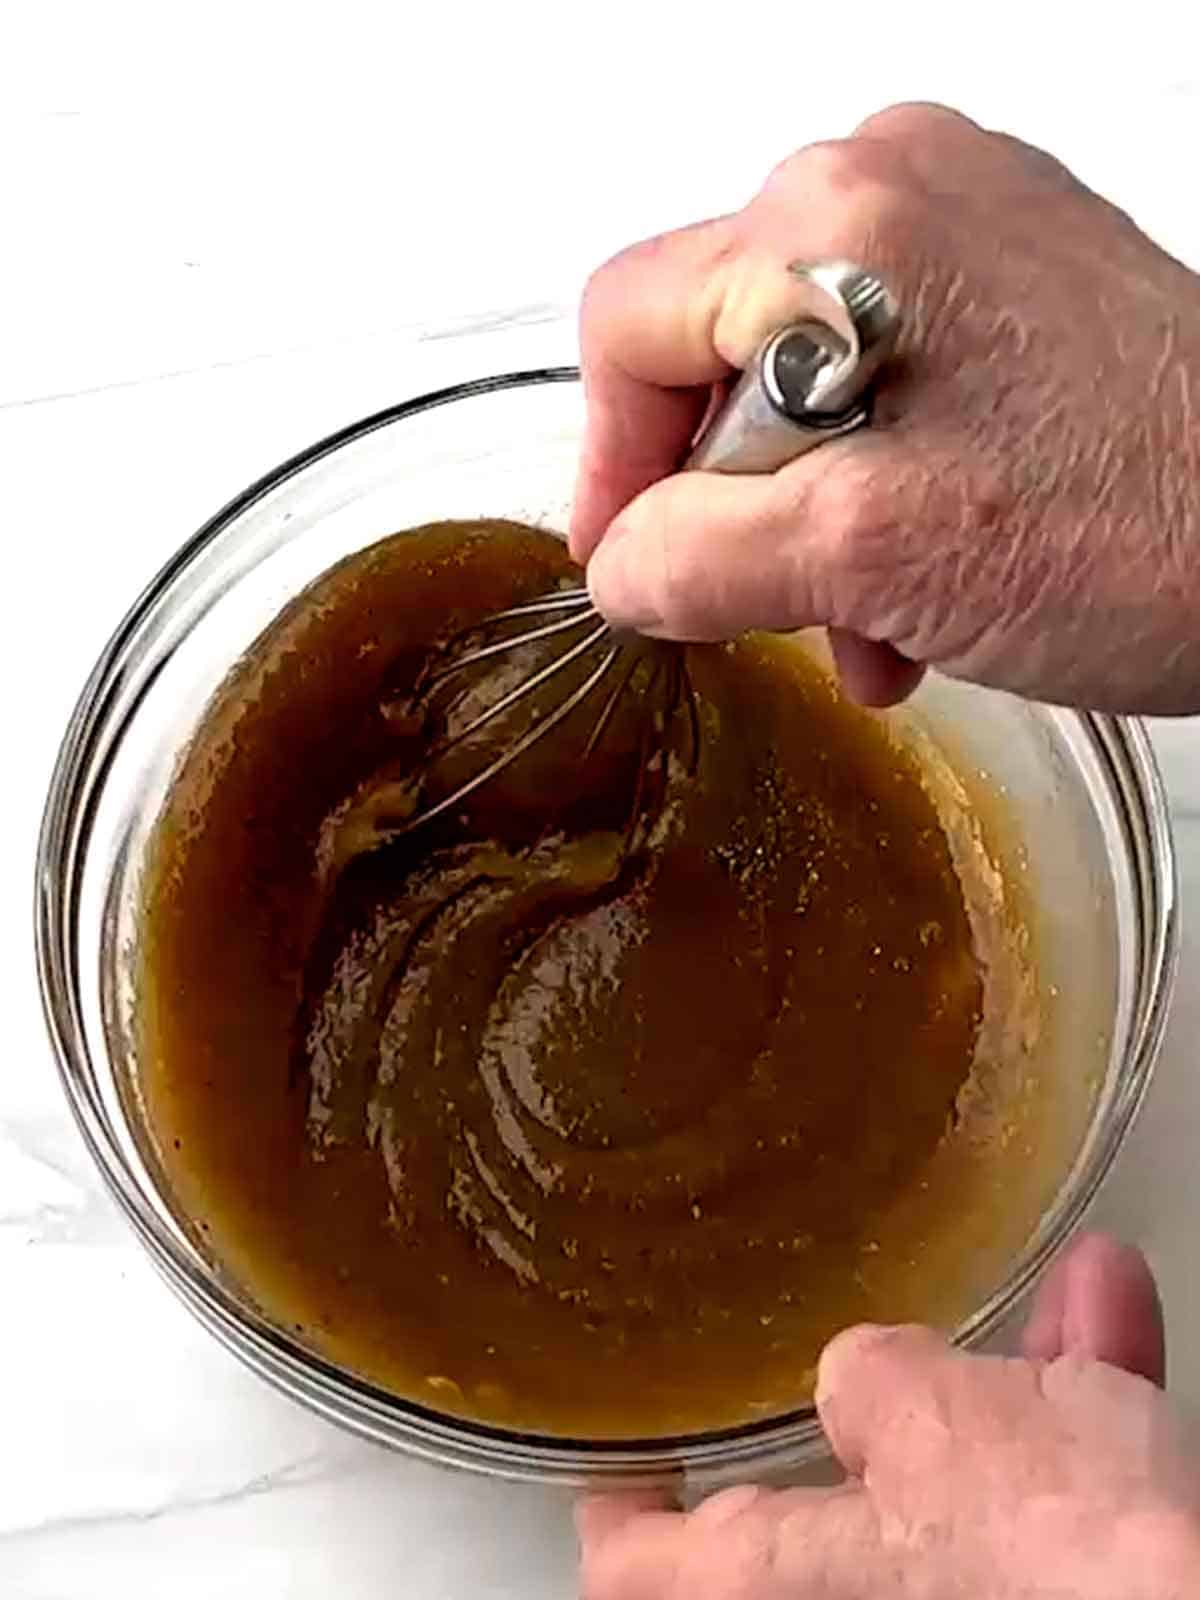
<point>617,586</point>
<point>729,1504</point>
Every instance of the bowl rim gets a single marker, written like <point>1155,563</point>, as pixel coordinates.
<point>1123,748</point>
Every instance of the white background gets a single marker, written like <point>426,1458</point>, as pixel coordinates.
<point>224,230</point>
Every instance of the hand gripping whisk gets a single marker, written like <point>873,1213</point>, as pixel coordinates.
<point>809,383</point>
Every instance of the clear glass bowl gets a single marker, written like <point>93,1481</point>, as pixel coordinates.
<point>1084,789</point>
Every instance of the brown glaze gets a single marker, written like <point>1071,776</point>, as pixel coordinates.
<point>536,1127</point>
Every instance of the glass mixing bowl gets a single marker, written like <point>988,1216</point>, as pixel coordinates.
<point>1083,789</point>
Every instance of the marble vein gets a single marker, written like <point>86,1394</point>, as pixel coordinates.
<point>48,1191</point>
<point>306,1470</point>
<point>494,321</point>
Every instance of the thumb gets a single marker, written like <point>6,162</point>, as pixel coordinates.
<point>704,556</point>
<point>1100,1301</point>
<point>873,673</point>
<point>749,1541</point>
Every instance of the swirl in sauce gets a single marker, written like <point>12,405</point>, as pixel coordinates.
<point>530,1127</point>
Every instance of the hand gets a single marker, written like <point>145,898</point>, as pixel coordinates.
<point>1060,1476</point>
<point>1025,511</point>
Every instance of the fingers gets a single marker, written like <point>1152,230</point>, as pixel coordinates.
<point>668,318</point>
<point>925,124</point>
<point>597,1516</point>
<point>872,1379</point>
<point>701,557</point>
<point>744,1544</point>
<point>604,1516</point>
<point>831,538</point>
<point>630,1554</point>
<point>1101,1302</point>
<point>646,340</point>
<point>872,673</point>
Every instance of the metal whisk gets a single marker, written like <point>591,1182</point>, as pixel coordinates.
<point>809,383</point>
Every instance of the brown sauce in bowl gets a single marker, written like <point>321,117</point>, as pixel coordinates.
<point>532,1124</point>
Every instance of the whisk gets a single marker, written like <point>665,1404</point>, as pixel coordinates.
<point>809,383</point>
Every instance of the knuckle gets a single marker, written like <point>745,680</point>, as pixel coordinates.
<point>803,165</point>
<point>916,120</point>
<point>874,520</point>
<point>854,515</point>
<point>642,284</point>
<point>837,167</point>
<point>604,283</point>
<point>592,304</point>
<point>859,188</point>
<point>609,284</point>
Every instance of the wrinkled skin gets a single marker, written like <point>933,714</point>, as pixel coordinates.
<point>1024,513</point>
<point>1062,1475</point>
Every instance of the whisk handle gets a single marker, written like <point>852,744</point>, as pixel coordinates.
<point>810,380</point>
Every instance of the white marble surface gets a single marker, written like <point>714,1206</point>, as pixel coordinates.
<point>225,229</point>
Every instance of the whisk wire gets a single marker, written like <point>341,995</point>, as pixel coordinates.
<point>610,705</point>
<point>471,658</point>
<point>521,691</point>
<point>530,737</point>
<point>560,600</point>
